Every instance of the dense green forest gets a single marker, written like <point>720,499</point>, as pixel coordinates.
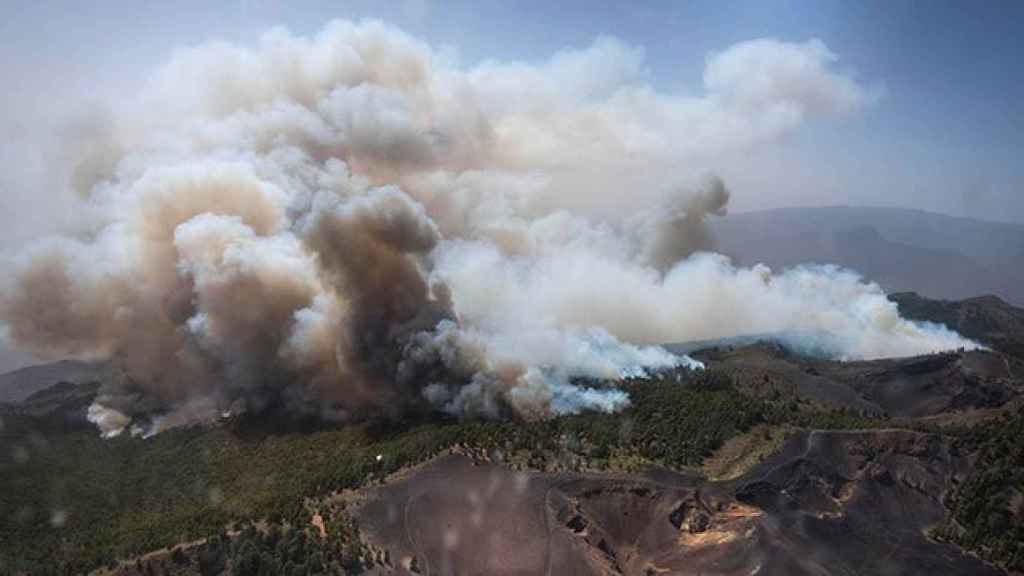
<point>986,508</point>
<point>268,549</point>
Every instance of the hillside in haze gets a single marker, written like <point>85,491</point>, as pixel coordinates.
<point>903,250</point>
<point>18,385</point>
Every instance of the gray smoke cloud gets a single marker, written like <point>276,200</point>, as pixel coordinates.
<point>683,232</point>
<point>347,220</point>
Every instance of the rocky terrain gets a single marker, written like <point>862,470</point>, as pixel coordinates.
<point>829,502</point>
<point>904,387</point>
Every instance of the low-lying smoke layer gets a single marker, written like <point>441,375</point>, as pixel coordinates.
<point>354,220</point>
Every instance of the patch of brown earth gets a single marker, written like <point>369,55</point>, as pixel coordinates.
<point>826,503</point>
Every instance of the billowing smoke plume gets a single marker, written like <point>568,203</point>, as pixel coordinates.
<point>354,220</point>
<point>684,232</point>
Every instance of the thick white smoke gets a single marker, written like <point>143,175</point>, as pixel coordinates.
<point>351,219</point>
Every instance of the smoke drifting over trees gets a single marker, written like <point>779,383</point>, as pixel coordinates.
<point>352,219</point>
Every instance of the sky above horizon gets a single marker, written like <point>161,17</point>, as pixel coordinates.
<point>938,122</point>
<point>941,133</point>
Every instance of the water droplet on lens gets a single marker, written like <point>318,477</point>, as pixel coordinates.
<point>58,518</point>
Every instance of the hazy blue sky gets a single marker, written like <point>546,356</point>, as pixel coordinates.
<point>945,135</point>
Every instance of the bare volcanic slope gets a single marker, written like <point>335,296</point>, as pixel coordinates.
<point>987,319</point>
<point>912,387</point>
<point>827,503</point>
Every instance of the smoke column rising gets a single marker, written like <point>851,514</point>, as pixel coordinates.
<point>352,219</point>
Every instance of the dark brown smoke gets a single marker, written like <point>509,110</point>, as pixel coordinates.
<point>684,231</point>
<point>325,224</point>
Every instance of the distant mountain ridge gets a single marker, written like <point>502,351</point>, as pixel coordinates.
<point>986,319</point>
<point>933,254</point>
<point>20,384</point>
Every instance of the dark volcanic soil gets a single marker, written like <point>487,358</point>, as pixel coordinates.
<point>827,503</point>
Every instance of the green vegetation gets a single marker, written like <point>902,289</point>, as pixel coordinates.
<point>268,549</point>
<point>669,423</point>
<point>294,552</point>
<point>987,508</point>
<point>72,502</point>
